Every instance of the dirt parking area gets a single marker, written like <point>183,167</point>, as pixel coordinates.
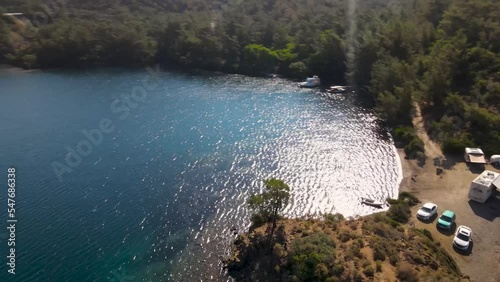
<point>449,190</point>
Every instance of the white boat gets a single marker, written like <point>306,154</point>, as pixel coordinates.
<point>311,82</point>
<point>372,203</point>
<point>336,89</point>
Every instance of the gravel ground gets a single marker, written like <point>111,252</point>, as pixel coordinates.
<point>449,190</point>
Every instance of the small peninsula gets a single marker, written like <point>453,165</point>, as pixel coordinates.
<point>378,247</point>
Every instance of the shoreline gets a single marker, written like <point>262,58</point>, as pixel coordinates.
<point>16,69</point>
<point>402,170</point>
<point>406,172</point>
<point>172,68</point>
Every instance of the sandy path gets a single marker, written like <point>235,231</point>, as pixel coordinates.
<point>450,191</point>
<point>432,149</point>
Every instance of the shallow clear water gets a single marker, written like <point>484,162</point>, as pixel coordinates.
<point>156,198</point>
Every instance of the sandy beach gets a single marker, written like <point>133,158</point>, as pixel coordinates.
<point>449,190</point>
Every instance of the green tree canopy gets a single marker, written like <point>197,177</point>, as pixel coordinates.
<point>268,204</point>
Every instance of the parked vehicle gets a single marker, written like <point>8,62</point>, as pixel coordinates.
<point>336,89</point>
<point>495,160</point>
<point>483,186</point>
<point>446,220</point>
<point>474,156</point>
<point>427,211</point>
<point>463,237</point>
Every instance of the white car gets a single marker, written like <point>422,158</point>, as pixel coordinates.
<point>427,211</point>
<point>463,237</point>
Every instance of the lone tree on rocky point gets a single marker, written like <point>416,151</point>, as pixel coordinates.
<point>268,204</point>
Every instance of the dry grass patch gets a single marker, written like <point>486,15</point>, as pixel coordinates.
<point>407,273</point>
<point>374,248</point>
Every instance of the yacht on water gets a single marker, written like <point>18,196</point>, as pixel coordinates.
<point>371,202</point>
<point>311,82</point>
<point>336,89</point>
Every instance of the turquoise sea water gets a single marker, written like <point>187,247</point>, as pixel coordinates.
<point>156,198</point>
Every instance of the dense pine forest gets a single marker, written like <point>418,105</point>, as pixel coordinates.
<point>443,55</point>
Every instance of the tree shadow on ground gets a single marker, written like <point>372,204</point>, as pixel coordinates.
<point>418,156</point>
<point>489,210</point>
<point>448,162</point>
<point>421,162</point>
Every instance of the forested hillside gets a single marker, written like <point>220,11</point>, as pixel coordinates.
<point>445,57</point>
<point>442,54</point>
<point>254,37</point>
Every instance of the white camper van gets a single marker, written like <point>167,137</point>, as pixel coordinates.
<point>474,155</point>
<point>483,186</point>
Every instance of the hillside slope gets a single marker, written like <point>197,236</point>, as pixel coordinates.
<point>368,248</point>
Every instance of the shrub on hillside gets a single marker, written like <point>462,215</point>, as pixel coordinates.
<point>345,236</point>
<point>426,233</point>
<point>380,217</point>
<point>403,135</point>
<point>394,259</point>
<point>399,212</point>
<point>411,199</point>
<point>407,273</point>
<point>338,269</point>
<point>360,242</point>
<point>378,253</point>
<point>353,225</point>
<point>420,157</point>
<point>310,256</point>
<point>333,217</point>
<point>354,251</point>
<point>321,271</point>
<point>298,69</point>
<point>368,271</point>
<point>391,202</point>
<point>279,251</point>
<point>258,220</point>
<point>416,145</point>
<point>332,279</point>
<point>357,277</point>
<point>446,259</point>
<point>332,220</point>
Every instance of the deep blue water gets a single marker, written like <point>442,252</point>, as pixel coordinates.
<point>155,199</point>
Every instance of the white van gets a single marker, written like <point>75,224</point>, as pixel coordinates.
<point>495,159</point>
<point>474,155</point>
